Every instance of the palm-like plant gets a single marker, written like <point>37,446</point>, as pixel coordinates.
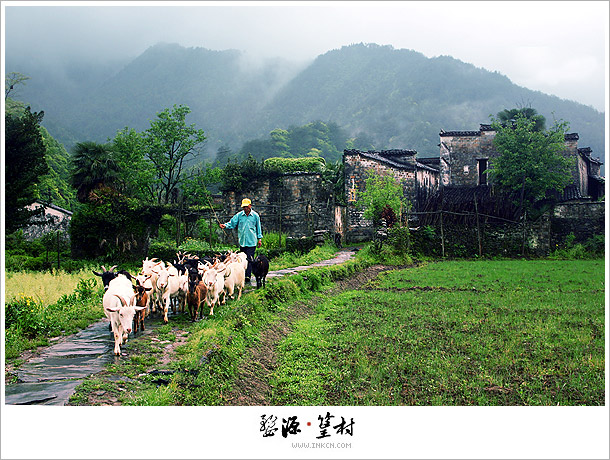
<point>510,115</point>
<point>93,166</point>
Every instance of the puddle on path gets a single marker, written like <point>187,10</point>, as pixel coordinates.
<point>51,377</point>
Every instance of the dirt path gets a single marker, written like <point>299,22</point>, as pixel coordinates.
<point>252,383</point>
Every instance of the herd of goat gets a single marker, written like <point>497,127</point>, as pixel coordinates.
<point>188,282</point>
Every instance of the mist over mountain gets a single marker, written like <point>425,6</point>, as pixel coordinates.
<point>398,98</point>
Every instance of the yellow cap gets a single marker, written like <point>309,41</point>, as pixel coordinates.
<point>245,202</point>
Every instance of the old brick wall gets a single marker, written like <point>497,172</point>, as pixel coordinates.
<point>357,169</point>
<point>296,204</point>
<point>460,153</point>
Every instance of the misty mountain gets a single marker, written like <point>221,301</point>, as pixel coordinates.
<point>396,98</point>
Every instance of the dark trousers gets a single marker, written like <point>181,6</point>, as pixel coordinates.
<point>249,251</point>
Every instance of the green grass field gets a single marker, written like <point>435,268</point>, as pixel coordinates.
<point>454,333</point>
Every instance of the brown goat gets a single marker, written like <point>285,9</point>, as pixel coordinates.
<point>141,301</point>
<point>195,297</point>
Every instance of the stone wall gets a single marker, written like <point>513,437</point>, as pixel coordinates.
<point>540,237</point>
<point>295,204</point>
<point>583,219</point>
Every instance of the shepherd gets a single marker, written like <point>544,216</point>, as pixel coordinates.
<point>249,232</point>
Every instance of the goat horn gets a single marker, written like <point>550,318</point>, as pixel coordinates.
<point>104,269</point>
<point>113,267</point>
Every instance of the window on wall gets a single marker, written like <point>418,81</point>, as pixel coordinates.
<point>482,171</point>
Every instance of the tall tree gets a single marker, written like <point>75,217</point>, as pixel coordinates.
<point>93,166</point>
<point>25,164</point>
<point>12,81</point>
<point>197,184</point>
<point>136,173</point>
<point>168,141</point>
<point>55,186</point>
<point>531,163</point>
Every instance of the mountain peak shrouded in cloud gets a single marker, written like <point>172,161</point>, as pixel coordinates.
<point>397,98</point>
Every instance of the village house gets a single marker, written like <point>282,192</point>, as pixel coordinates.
<point>54,218</point>
<point>463,160</point>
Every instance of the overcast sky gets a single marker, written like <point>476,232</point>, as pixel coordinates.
<point>558,48</point>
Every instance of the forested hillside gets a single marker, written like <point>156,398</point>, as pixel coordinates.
<point>378,96</point>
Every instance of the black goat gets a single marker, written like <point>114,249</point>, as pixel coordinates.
<point>260,268</point>
<point>106,275</point>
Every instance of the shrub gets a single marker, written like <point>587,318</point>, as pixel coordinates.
<point>163,250</point>
<point>27,314</point>
<point>596,245</point>
<point>399,239</point>
<point>281,291</point>
<point>300,245</point>
<point>592,248</point>
<point>274,240</point>
<point>207,232</point>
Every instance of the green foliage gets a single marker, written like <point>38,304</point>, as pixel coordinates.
<point>399,238</point>
<point>509,116</point>
<point>381,190</point>
<point>135,172</point>
<point>593,248</point>
<point>531,162</point>
<point>197,184</point>
<point>300,245</point>
<point>236,176</point>
<point>208,231</point>
<point>112,226</point>
<point>163,250</point>
<point>202,248</point>
<point>315,139</point>
<point>55,186</point>
<point>29,320</point>
<point>425,242</point>
<point>25,165</point>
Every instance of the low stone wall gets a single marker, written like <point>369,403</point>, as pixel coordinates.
<point>582,219</point>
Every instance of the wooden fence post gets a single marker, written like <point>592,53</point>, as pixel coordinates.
<point>476,210</point>
<point>442,237</point>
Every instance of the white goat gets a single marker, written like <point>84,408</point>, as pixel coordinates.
<point>235,278</point>
<point>119,307</point>
<point>173,294</point>
<point>214,282</point>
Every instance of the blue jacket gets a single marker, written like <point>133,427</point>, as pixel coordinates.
<point>248,228</point>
